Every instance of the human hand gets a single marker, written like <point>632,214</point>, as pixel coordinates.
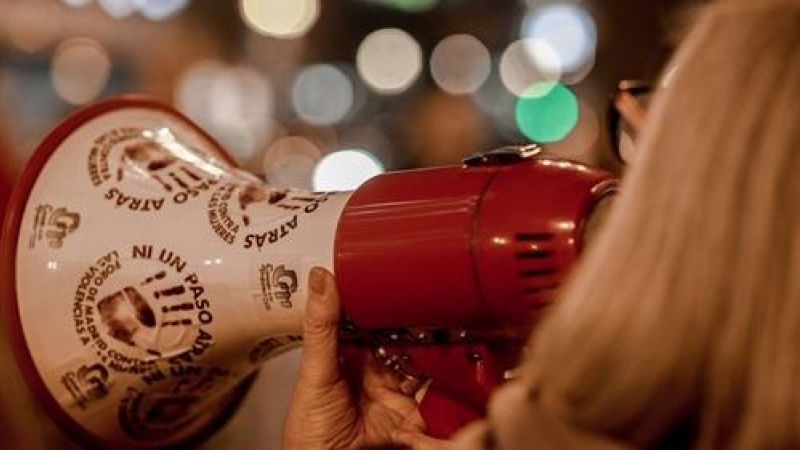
<point>357,405</point>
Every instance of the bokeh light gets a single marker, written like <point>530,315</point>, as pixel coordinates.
<point>409,6</point>
<point>568,30</point>
<point>322,94</point>
<point>527,62</point>
<point>118,9</point>
<point>547,113</point>
<point>234,103</point>
<point>345,170</point>
<point>389,60</point>
<point>460,64</point>
<point>76,3</point>
<point>160,9</point>
<point>285,19</point>
<point>79,70</point>
<point>290,162</point>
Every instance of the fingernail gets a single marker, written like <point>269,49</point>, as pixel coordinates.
<point>317,281</point>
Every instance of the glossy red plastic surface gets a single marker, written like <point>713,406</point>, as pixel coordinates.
<point>477,251</point>
<point>470,248</point>
<point>403,249</point>
<point>530,231</point>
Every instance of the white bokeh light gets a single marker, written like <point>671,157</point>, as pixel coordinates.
<point>527,62</point>
<point>118,9</point>
<point>389,60</point>
<point>345,170</point>
<point>80,70</point>
<point>160,9</point>
<point>322,94</point>
<point>460,64</point>
<point>285,19</point>
<point>76,3</point>
<point>233,102</point>
<point>568,29</point>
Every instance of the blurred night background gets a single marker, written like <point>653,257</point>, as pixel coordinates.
<point>321,95</point>
<point>288,86</point>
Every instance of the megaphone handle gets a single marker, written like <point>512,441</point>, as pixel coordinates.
<point>462,377</point>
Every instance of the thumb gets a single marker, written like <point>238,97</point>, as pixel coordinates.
<point>319,366</point>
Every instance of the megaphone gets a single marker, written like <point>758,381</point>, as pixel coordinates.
<point>146,277</point>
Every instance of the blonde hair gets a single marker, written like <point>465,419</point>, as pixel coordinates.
<point>684,318</point>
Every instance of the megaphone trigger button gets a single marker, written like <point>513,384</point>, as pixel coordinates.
<point>476,159</point>
<point>504,155</point>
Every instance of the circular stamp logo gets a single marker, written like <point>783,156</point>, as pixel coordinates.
<point>170,404</point>
<point>264,214</point>
<point>144,304</point>
<point>143,170</point>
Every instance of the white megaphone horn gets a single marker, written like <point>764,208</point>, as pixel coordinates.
<point>145,278</point>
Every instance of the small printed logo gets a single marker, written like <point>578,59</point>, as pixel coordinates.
<point>53,225</point>
<point>278,284</point>
<point>87,384</point>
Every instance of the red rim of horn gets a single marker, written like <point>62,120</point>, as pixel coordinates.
<point>8,250</point>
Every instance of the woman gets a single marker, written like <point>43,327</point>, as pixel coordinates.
<point>680,329</point>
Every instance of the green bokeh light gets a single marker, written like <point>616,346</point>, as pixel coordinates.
<point>409,6</point>
<point>546,112</point>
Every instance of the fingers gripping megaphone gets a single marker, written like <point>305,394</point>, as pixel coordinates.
<point>146,278</point>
